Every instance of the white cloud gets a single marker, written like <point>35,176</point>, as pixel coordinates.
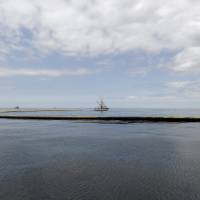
<point>187,60</point>
<point>5,72</point>
<point>155,97</point>
<point>184,89</point>
<point>172,93</point>
<point>139,71</point>
<point>96,26</point>
<point>177,84</point>
<point>102,27</point>
<point>132,97</point>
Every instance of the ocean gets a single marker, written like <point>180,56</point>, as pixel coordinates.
<point>77,160</point>
<point>112,112</point>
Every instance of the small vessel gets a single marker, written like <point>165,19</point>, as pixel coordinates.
<point>102,106</point>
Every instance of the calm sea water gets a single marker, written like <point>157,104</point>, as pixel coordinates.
<point>61,160</point>
<point>117,112</point>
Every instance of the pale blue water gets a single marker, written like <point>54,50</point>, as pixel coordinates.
<point>66,160</point>
<point>117,112</point>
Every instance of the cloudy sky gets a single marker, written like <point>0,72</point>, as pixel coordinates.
<point>68,53</point>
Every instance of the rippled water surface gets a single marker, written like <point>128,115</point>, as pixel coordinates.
<point>61,160</point>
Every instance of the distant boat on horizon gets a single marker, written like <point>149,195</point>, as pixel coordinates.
<point>102,106</point>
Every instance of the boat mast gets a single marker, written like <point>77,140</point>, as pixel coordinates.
<point>102,106</point>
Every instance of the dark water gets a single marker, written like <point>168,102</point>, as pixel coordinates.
<point>63,160</point>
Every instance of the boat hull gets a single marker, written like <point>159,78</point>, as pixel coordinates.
<point>101,109</point>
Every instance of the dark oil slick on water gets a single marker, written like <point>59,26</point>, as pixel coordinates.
<point>50,160</point>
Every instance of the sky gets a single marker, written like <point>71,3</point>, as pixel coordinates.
<point>69,53</point>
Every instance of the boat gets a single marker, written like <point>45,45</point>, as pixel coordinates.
<point>102,106</point>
